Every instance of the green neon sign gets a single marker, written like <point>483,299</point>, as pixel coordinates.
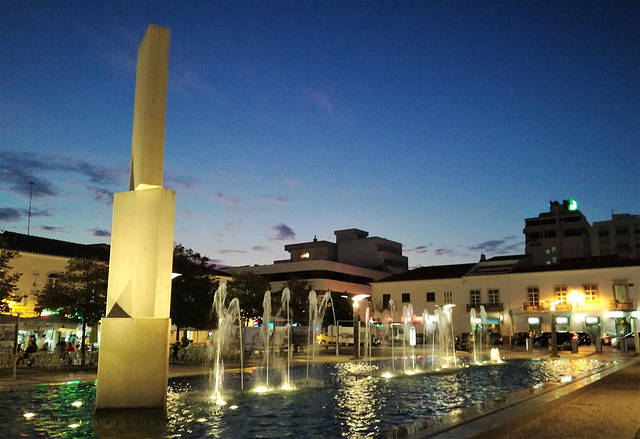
<point>573,204</point>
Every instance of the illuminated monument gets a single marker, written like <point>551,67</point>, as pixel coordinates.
<point>134,354</point>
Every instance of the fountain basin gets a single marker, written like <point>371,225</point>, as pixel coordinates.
<point>349,399</point>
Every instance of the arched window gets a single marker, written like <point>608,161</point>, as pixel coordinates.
<point>52,279</point>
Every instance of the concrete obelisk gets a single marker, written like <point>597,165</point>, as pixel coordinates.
<point>133,362</point>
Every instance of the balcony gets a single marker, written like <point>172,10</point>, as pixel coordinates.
<point>626,305</point>
<point>538,307</point>
<point>488,307</point>
<point>563,307</point>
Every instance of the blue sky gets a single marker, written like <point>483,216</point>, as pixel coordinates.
<point>441,125</point>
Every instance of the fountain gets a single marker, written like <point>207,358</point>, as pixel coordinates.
<point>446,340</point>
<point>227,316</point>
<point>392,308</point>
<point>495,356</point>
<point>472,321</point>
<point>266,336</point>
<point>483,326</point>
<point>407,320</point>
<point>316,315</point>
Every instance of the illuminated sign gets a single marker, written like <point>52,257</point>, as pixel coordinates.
<point>573,204</point>
<point>562,320</point>
<point>592,320</point>
<point>533,320</point>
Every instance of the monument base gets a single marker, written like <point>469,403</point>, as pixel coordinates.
<point>133,364</point>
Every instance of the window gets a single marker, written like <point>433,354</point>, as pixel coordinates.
<point>385,301</point>
<point>52,279</point>
<point>621,231</point>
<point>603,232</point>
<point>431,297</point>
<point>406,297</point>
<point>475,297</point>
<point>494,297</point>
<point>534,296</point>
<point>620,292</point>
<point>591,293</point>
<point>305,255</point>
<point>448,297</point>
<point>561,293</point>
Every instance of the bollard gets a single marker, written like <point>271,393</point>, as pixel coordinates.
<point>623,344</point>
<point>528,344</point>
<point>598,345</point>
<point>574,346</point>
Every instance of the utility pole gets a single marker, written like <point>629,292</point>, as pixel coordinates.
<point>30,196</point>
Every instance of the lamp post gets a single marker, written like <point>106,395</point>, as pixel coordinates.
<point>356,325</point>
<point>554,337</point>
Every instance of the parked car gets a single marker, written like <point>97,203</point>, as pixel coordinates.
<point>542,340</point>
<point>520,338</point>
<point>464,342</point>
<point>583,339</point>
<point>563,339</point>
<point>606,339</point>
<point>628,338</point>
<point>494,339</point>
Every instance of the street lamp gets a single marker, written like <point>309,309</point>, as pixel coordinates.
<point>356,325</point>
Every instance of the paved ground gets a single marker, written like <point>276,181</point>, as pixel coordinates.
<point>609,408</point>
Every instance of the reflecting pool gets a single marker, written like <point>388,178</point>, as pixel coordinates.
<point>349,400</point>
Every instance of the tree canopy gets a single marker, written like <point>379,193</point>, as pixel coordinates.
<point>249,288</point>
<point>80,293</point>
<point>8,282</point>
<point>192,291</point>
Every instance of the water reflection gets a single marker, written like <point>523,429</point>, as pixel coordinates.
<point>349,400</point>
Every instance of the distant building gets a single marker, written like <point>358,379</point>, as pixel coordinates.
<point>561,233</point>
<point>592,294</point>
<point>348,265</point>
<point>618,236</point>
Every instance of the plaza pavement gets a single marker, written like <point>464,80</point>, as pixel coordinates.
<point>606,408</point>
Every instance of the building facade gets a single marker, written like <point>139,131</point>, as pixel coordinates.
<point>618,236</point>
<point>594,296</point>
<point>561,233</point>
<point>349,265</point>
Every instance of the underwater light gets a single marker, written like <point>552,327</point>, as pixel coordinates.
<point>201,420</point>
<point>260,389</point>
<point>566,379</point>
<point>74,425</point>
<point>77,403</point>
<point>29,415</point>
<point>387,375</point>
<point>233,407</point>
<point>286,387</point>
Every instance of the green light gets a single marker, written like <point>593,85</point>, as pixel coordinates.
<point>573,204</point>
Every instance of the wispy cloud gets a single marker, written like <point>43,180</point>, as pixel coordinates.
<point>275,199</point>
<point>418,249</point>
<point>19,170</point>
<point>52,229</point>
<point>322,101</point>
<point>505,245</point>
<point>227,251</point>
<point>10,214</point>
<point>183,181</point>
<point>260,248</point>
<point>101,195</point>
<point>283,233</point>
<point>101,232</point>
<point>219,196</point>
<point>292,182</point>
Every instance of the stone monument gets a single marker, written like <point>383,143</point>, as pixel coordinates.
<point>133,365</point>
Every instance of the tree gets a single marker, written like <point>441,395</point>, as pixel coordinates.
<point>343,308</point>
<point>249,288</point>
<point>8,282</point>
<point>299,300</point>
<point>192,292</point>
<point>79,294</point>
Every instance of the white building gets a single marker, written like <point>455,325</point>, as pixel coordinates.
<point>592,295</point>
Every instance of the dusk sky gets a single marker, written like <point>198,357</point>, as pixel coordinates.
<point>440,125</point>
